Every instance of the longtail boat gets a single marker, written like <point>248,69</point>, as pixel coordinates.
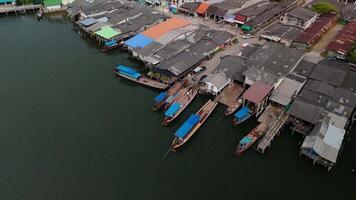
<point>110,45</point>
<point>248,140</point>
<point>243,114</point>
<point>187,130</point>
<point>177,107</point>
<point>133,75</point>
<point>159,100</point>
<point>232,108</point>
<point>175,98</point>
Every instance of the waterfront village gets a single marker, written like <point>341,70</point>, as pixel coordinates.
<point>287,63</point>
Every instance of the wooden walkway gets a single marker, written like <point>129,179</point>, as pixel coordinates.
<point>7,9</point>
<point>274,130</point>
<point>229,95</point>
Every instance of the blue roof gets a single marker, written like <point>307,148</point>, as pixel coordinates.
<point>160,97</point>
<point>172,110</point>
<point>246,140</point>
<point>110,43</point>
<point>7,1</point>
<point>88,21</point>
<point>187,126</point>
<point>139,40</point>
<point>242,112</point>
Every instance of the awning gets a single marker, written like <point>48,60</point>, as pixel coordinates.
<point>202,8</point>
<point>246,27</point>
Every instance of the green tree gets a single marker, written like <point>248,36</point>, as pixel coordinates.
<point>324,8</point>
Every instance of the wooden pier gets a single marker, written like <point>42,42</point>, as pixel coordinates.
<point>278,119</point>
<point>10,8</point>
<point>229,95</point>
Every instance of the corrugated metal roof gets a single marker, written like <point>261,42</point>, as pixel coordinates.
<point>164,27</point>
<point>342,43</point>
<point>257,92</point>
<point>285,91</point>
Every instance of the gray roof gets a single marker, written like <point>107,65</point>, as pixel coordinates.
<point>345,97</point>
<point>275,59</point>
<point>329,71</point>
<point>306,111</point>
<point>219,80</point>
<point>249,50</point>
<point>350,81</point>
<point>302,13</point>
<point>232,66</point>
<point>325,140</point>
<point>304,68</point>
<point>138,23</point>
<point>186,59</point>
<point>190,6</point>
<point>283,32</point>
<point>268,13</point>
<point>255,74</point>
<point>320,87</point>
<point>313,97</point>
<point>284,92</point>
<point>339,109</point>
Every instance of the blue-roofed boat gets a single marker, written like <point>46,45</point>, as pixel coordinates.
<point>110,45</point>
<point>192,124</point>
<point>177,107</point>
<point>135,76</point>
<point>160,99</point>
<point>243,114</point>
<point>248,140</point>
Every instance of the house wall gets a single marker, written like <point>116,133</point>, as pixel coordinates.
<point>293,21</point>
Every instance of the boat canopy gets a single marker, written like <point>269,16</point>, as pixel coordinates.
<point>242,112</point>
<point>110,43</point>
<point>172,110</point>
<point>246,140</point>
<point>160,97</point>
<point>187,126</point>
<point>127,71</point>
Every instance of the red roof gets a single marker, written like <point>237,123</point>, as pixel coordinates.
<point>241,18</point>
<point>343,42</point>
<point>257,92</point>
<point>313,32</point>
<point>202,8</point>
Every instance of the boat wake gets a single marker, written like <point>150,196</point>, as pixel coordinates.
<point>162,159</point>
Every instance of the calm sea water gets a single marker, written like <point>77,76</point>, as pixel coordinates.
<point>70,130</point>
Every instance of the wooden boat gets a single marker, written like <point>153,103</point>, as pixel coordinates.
<point>133,75</point>
<point>244,113</point>
<point>177,107</point>
<point>176,97</point>
<point>187,130</point>
<point>248,140</point>
<point>159,100</point>
<point>232,108</point>
<point>110,45</point>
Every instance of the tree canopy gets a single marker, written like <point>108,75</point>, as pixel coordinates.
<point>324,8</point>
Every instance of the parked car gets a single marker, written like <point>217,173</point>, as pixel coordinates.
<point>198,70</point>
<point>247,36</point>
